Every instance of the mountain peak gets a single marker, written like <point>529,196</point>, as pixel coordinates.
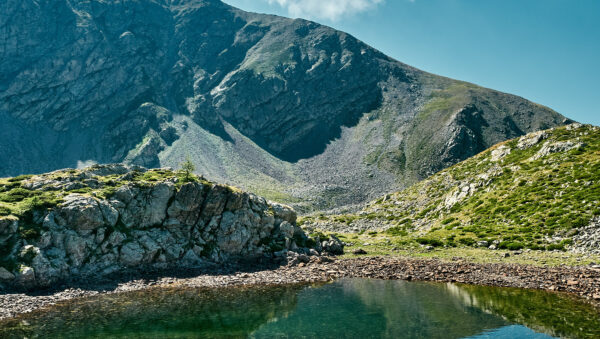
<point>299,111</point>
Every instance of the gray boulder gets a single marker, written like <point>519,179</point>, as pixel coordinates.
<point>5,274</point>
<point>334,246</point>
<point>131,254</point>
<point>80,212</point>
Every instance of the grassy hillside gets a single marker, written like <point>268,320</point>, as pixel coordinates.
<point>533,192</point>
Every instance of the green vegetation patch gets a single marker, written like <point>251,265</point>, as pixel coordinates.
<point>517,202</point>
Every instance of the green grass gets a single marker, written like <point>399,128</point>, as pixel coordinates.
<point>17,200</point>
<point>407,247</point>
<point>520,203</point>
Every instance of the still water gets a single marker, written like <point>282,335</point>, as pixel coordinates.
<point>350,308</point>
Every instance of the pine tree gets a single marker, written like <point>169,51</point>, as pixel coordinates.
<point>187,167</point>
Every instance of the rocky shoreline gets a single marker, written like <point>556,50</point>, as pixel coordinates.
<point>580,281</point>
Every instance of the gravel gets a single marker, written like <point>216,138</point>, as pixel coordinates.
<point>580,281</point>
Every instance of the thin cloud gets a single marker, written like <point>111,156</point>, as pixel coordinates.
<point>326,9</point>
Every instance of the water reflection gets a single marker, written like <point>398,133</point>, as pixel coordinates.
<point>352,308</point>
<point>362,308</point>
<point>159,313</point>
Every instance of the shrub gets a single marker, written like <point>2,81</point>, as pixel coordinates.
<point>510,245</point>
<point>448,220</point>
<point>396,231</point>
<point>15,195</point>
<point>20,178</point>
<point>5,210</point>
<point>553,247</point>
<point>467,241</point>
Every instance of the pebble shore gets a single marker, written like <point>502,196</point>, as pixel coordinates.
<point>581,281</point>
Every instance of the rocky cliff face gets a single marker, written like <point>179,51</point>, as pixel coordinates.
<point>287,108</point>
<point>105,219</point>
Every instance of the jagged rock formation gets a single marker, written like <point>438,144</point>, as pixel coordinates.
<point>287,108</point>
<point>540,191</point>
<point>104,219</point>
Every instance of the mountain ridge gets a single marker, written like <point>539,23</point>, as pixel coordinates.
<point>294,110</point>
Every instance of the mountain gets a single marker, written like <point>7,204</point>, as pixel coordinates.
<point>290,109</point>
<point>540,191</point>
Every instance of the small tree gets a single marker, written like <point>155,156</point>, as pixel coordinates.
<point>187,167</point>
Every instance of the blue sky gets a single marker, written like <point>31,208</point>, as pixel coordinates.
<point>547,51</point>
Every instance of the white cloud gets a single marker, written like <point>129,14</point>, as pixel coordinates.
<point>325,9</point>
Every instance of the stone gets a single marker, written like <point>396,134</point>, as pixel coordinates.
<point>116,238</point>
<point>287,229</point>
<point>191,259</point>
<point>150,246</point>
<point>80,212</point>
<point>187,203</point>
<point>531,139</point>
<point>482,243</point>
<point>284,212</point>
<point>359,251</point>
<point>500,152</point>
<point>174,251</point>
<point>76,249</point>
<point>5,274</point>
<point>131,254</point>
<point>303,258</point>
<point>560,146</point>
<point>334,246</point>
<point>45,272</point>
<point>25,276</point>
<point>8,225</point>
<point>282,253</point>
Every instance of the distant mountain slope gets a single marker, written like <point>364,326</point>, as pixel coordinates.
<point>540,191</point>
<point>289,108</point>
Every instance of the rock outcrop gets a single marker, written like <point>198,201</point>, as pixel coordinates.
<point>110,218</point>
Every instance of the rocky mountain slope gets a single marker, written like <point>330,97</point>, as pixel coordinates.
<point>290,109</point>
<point>540,191</point>
<point>109,218</point>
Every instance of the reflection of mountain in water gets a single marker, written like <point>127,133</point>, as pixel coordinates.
<point>361,308</point>
<point>160,313</point>
<point>352,308</point>
<point>555,314</point>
